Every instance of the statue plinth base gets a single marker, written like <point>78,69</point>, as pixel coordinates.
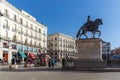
<point>89,53</point>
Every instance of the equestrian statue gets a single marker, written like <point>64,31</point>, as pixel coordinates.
<point>89,26</point>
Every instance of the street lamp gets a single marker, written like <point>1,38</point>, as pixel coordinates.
<point>10,54</point>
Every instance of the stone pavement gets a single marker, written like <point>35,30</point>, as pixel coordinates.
<point>57,73</point>
<point>58,67</point>
<point>45,73</point>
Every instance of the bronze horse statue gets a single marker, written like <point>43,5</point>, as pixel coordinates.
<point>90,27</point>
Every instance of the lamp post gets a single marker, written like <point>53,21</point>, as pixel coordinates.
<point>10,56</point>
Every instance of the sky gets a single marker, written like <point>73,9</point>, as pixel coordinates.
<point>67,16</point>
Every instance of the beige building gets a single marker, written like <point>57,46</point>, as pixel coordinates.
<point>61,45</point>
<point>19,31</point>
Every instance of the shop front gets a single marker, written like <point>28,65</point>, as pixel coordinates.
<point>5,56</point>
<point>31,55</point>
<point>21,56</point>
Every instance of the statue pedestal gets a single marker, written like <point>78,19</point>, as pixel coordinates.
<point>89,53</point>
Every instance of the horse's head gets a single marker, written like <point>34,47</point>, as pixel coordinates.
<point>98,21</point>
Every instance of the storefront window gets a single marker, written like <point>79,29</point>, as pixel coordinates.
<point>19,47</point>
<point>34,50</point>
<point>30,49</point>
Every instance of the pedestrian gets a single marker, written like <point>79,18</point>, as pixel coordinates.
<point>53,62</point>
<point>49,62</point>
<point>63,62</point>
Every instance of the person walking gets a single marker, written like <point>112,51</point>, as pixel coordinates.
<point>63,62</point>
<point>49,62</point>
<point>53,62</point>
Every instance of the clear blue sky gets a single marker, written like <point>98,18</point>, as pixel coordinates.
<point>67,16</point>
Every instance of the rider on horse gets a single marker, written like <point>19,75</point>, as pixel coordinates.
<point>89,21</point>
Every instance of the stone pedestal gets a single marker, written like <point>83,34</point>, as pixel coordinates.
<point>89,53</point>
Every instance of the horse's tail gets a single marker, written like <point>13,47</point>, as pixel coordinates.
<point>78,33</point>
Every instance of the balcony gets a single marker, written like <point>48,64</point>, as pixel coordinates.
<point>35,37</point>
<point>20,33</point>
<point>26,26</point>
<point>26,43</point>
<point>7,38</point>
<point>30,44</point>
<point>14,39</point>
<point>35,30</point>
<point>26,34</point>
<point>31,36</point>
<point>16,30</point>
<point>6,27</point>
<point>15,19</point>
<point>39,38</point>
<point>13,30</point>
<point>31,28</point>
<point>6,14</point>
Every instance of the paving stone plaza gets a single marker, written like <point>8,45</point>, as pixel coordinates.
<point>58,75</point>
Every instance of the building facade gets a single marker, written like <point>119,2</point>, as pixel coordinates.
<point>19,31</point>
<point>106,49</point>
<point>61,45</point>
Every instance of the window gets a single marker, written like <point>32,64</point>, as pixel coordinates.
<point>39,38</point>
<point>6,13</point>
<point>39,30</point>
<point>31,26</point>
<point>21,38</point>
<point>56,44</point>
<point>35,35</point>
<point>6,34</point>
<point>21,30</point>
<point>61,45</point>
<point>13,27</point>
<point>26,24</point>
<point>21,21</point>
<point>26,32</point>
<point>36,29</point>
<point>6,23</point>
<point>5,45</point>
<point>15,18</point>
<point>55,38</point>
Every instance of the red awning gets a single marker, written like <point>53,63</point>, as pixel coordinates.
<point>31,55</point>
